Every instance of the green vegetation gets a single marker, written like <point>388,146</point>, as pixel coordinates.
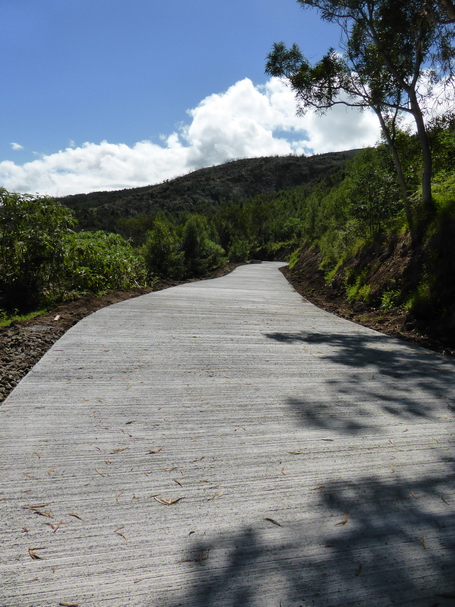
<point>32,234</point>
<point>7,319</point>
<point>98,262</point>
<point>392,51</point>
<point>43,261</point>
<point>348,209</point>
<point>183,251</point>
<point>131,212</point>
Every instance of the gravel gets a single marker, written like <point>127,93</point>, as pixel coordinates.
<point>20,349</point>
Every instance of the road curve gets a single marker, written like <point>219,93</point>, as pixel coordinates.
<point>226,443</point>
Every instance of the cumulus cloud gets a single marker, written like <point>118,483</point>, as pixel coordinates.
<point>243,122</point>
<point>16,146</point>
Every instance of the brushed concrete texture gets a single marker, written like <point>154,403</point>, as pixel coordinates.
<point>226,443</point>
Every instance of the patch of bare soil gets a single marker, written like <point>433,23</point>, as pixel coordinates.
<point>22,344</point>
<point>308,281</point>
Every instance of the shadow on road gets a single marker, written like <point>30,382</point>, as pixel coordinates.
<point>391,551</point>
<point>378,375</point>
<point>376,540</point>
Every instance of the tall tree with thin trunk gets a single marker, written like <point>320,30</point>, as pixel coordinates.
<point>394,52</point>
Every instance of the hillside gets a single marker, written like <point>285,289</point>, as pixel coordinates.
<point>204,189</point>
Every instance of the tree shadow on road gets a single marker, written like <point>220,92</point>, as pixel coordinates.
<point>391,550</point>
<point>367,539</point>
<point>376,374</point>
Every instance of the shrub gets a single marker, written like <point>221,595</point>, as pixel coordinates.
<point>162,254</point>
<point>32,253</point>
<point>200,253</point>
<point>101,261</point>
<point>239,250</point>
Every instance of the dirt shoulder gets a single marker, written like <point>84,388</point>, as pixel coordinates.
<point>22,344</point>
<point>308,281</point>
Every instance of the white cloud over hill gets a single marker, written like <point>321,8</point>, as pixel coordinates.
<point>243,122</point>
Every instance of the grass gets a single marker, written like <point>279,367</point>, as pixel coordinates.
<point>7,319</point>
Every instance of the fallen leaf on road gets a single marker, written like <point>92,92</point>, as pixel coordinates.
<point>344,521</point>
<point>271,520</point>
<point>168,502</point>
<point>119,450</point>
<point>33,554</point>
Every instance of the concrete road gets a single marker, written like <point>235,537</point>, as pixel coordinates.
<point>226,443</point>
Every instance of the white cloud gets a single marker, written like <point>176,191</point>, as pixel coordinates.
<point>16,146</point>
<point>245,121</point>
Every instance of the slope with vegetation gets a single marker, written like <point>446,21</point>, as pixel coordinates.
<point>390,242</point>
<point>200,191</point>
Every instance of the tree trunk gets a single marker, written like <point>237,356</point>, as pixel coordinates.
<point>427,198</point>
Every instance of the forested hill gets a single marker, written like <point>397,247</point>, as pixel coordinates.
<point>204,189</point>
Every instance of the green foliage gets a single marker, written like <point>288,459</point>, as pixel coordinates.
<point>239,250</point>
<point>99,262</point>
<point>390,299</point>
<point>6,319</point>
<point>444,194</point>
<point>200,253</point>
<point>203,191</point>
<point>32,252</point>
<point>294,258</point>
<point>371,192</point>
<point>420,302</point>
<point>391,51</point>
<point>42,260</point>
<point>162,253</point>
<point>357,289</point>
<point>181,251</point>
<point>134,229</point>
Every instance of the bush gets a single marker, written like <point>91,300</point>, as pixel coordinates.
<point>200,253</point>
<point>239,250</point>
<point>101,261</point>
<point>32,252</point>
<point>162,253</point>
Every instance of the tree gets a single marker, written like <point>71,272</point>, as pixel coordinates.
<point>162,253</point>
<point>32,255</point>
<point>97,262</point>
<point>371,191</point>
<point>393,54</point>
<point>441,11</point>
<point>200,253</point>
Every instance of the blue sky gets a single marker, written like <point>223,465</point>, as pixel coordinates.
<point>106,94</point>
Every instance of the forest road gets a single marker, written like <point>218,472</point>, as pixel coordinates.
<point>226,443</point>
